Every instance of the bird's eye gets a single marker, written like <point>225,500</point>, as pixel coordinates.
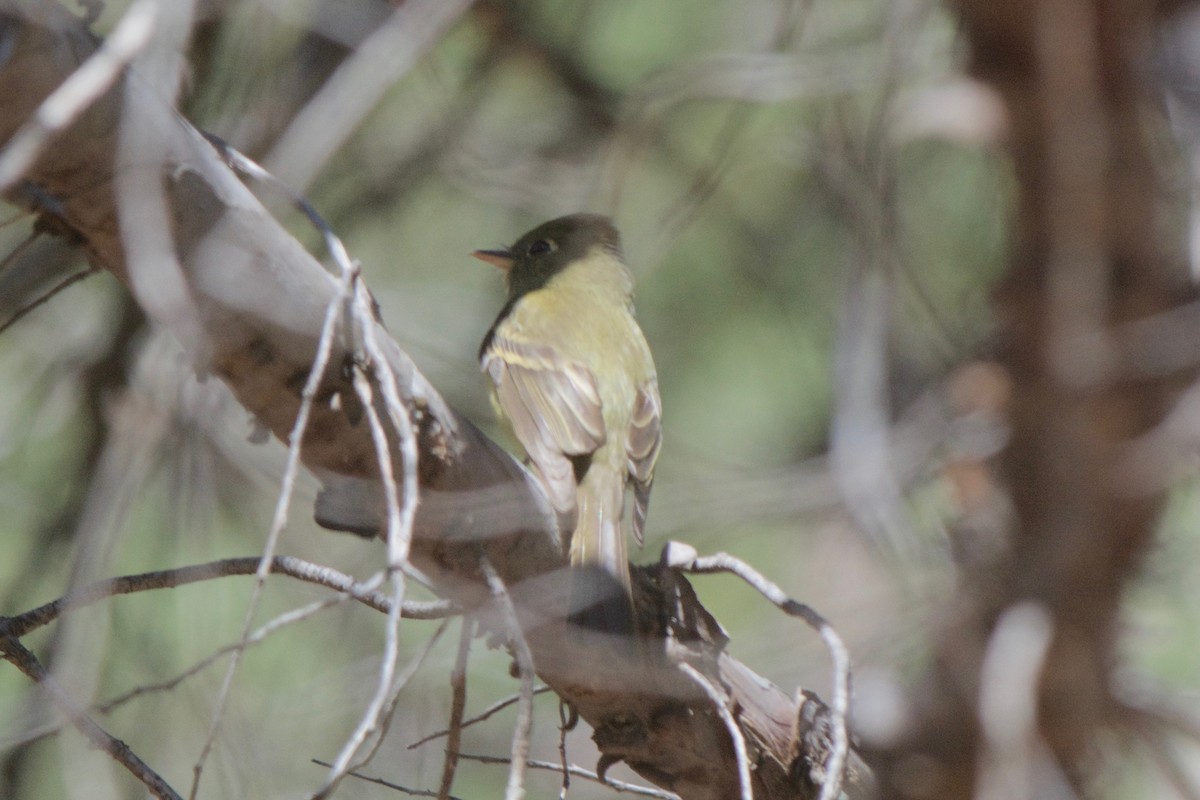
<point>541,247</point>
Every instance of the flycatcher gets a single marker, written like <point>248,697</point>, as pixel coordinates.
<point>572,375</point>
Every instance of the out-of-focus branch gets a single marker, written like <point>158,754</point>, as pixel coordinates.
<point>247,303</point>
<point>14,652</point>
<point>1086,265</point>
<point>99,377</point>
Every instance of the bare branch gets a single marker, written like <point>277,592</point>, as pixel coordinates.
<point>381,782</point>
<point>16,653</point>
<point>566,721</point>
<point>262,306</point>
<point>12,256</point>
<point>85,85</point>
<point>487,713</point>
<point>458,702</point>
<point>684,557</point>
<point>524,657</point>
<point>260,634</point>
<point>587,774</point>
<point>735,733</point>
<point>22,624</point>
<point>65,283</point>
<point>388,714</point>
<point>287,486</point>
<point>290,566</point>
<point>385,692</point>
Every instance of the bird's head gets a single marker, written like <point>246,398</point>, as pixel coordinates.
<point>550,248</point>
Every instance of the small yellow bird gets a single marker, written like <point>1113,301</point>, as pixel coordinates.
<point>572,374</point>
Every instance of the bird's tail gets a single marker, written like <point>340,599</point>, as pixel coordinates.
<point>601,593</point>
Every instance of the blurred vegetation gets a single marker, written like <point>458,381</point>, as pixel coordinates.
<point>746,150</point>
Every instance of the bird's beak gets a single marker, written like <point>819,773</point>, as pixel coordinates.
<point>497,258</point>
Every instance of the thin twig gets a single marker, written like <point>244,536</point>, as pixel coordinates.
<point>358,307</point>
<point>579,772</point>
<point>708,179</point>
<point>388,784</point>
<point>564,725</point>
<point>82,88</point>
<point>524,727</point>
<point>287,487</point>
<point>19,656</point>
<point>487,713</point>
<point>458,703</point>
<point>721,702</point>
<point>290,566</point>
<point>362,592</point>
<point>66,282</point>
<point>402,680</point>
<point>401,509</point>
<point>382,698</point>
<point>11,256</point>
<point>282,621</point>
<point>835,765</point>
<point>399,517</point>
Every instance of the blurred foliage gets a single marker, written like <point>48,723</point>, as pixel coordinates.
<point>747,151</point>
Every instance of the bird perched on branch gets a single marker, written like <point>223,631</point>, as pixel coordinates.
<point>572,374</point>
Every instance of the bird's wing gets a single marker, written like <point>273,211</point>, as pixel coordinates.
<point>552,404</point>
<point>645,439</point>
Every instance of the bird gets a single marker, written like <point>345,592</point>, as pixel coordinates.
<point>572,375</point>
